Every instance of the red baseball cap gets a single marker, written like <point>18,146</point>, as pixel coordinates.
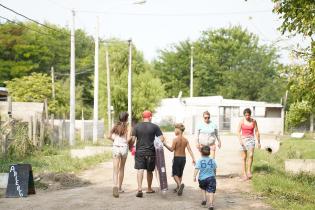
<point>146,114</point>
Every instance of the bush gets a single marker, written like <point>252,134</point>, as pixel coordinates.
<point>20,145</point>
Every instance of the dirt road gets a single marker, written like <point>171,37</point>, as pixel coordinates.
<point>232,193</point>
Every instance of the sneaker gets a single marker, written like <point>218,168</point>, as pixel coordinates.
<point>203,203</point>
<point>115,192</point>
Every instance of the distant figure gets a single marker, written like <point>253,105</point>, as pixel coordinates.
<point>120,135</point>
<point>247,128</point>
<point>180,143</point>
<point>207,134</point>
<point>144,134</point>
<point>206,166</point>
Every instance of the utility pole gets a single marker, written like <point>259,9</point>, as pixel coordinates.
<point>95,118</point>
<point>108,90</point>
<point>53,83</point>
<point>191,71</point>
<point>72,84</point>
<point>129,83</point>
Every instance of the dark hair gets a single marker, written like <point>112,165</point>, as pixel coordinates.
<point>206,113</point>
<point>180,126</point>
<point>205,151</point>
<point>121,127</point>
<point>247,110</point>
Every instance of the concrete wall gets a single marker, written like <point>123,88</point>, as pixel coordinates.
<point>88,128</point>
<point>22,110</point>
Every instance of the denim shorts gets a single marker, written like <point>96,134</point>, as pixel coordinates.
<point>209,184</point>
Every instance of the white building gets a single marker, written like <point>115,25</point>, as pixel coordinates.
<point>226,113</point>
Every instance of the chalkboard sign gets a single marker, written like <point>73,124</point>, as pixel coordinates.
<point>20,181</point>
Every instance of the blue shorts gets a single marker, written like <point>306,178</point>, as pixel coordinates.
<point>209,184</point>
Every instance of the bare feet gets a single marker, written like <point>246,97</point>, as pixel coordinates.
<point>244,178</point>
<point>249,175</point>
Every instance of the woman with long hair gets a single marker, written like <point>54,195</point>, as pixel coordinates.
<point>247,130</point>
<point>120,135</point>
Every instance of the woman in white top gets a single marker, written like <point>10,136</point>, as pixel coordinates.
<point>120,135</point>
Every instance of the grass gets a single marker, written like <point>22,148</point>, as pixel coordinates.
<point>51,159</point>
<point>284,190</point>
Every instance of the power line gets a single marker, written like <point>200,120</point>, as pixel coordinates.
<point>81,72</point>
<point>28,18</point>
<point>21,24</point>
<point>173,14</point>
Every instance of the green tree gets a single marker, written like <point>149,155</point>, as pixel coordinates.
<point>173,68</point>
<point>227,62</point>
<point>23,51</point>
<point>147,90</point>
<point>37,88</point>
<point>298,18</point>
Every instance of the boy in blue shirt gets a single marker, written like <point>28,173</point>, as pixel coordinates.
<point>206,167</point>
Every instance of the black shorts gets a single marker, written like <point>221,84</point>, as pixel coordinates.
<point>178,166</point>
<point>209,184</point>
<point>146,162</point>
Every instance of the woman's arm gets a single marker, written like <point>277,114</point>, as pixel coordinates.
<point>110,136</point>
<point>239,129</point>
<point>197,140</point>
<point>217,137</point>
<point>129,139</point>
<point>195,173</point>
<point>257,134</point>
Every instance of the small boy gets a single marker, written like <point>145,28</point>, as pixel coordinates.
<point>206,167</point>
<point>179,145</point>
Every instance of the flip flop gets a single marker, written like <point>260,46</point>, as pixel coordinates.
<point>150,192</point>
<point>180,190</point>
<point>115,192</point>
<point>121,191</point>
<point>139,194</point>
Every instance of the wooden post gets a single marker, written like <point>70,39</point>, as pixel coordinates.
<point>60,132</point>
<point>41,132</point>
<point>10,107</point>
<point>82,128</point>
<point>46,109</point>
<point>35,131</point>
<point>52,120</point>
<point>30,129</point>
<point>312,122</point>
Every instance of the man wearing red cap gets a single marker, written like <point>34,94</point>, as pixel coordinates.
<point>144,133</point>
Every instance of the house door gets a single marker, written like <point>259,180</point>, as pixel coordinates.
<point>225,118</point>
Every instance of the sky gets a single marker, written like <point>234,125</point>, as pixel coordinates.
<point>157,24</point>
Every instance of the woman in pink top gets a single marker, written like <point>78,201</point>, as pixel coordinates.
<point>247,130</point>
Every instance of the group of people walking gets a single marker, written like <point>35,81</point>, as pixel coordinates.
<point>207,140</point>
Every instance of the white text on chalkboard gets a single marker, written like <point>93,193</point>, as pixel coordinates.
<point>18,187</point>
